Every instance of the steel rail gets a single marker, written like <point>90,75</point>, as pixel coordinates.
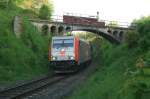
<point>29,88</point>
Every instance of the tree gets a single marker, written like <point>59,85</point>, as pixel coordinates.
<point>4,3</point>
<point>34,5</point>
<point>45,12</point>
<point>143,27</point>
<point>131,38</point>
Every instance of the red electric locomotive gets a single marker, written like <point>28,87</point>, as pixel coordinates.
<point>68,53</point>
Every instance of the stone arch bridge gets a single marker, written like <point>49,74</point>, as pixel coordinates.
<point>113,34</point>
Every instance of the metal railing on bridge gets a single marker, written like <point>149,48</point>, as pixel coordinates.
<point>80,15</point>
<point>118,24</point>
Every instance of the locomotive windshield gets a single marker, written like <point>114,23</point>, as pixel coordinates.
<point>63,43</point>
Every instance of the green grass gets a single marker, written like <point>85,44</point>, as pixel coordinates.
<point>123,70</point>
<point>20,58</point>
<point>117,76</point>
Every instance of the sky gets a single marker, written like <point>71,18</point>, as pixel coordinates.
<point>112,10</point>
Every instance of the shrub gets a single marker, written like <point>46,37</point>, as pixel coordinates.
<point>4,3</point>
<point>144,43</point>
<point>131,38</point>
<point>143,25</point>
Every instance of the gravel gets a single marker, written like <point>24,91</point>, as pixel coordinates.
<point>63,88</point>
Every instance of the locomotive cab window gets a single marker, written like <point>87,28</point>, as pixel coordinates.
<point>68,43</point>
<point>57,44</point>
<point>64,43</point>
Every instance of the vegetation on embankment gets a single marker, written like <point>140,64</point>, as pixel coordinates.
<point>25,57</point>
<point>124,70</point>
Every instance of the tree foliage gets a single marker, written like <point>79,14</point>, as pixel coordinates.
<point>4,3</point>
<point>143,27</point>
<point>141,36</point>
<point>45,12</point>
<point>131,38</point>
<point>32,4</point>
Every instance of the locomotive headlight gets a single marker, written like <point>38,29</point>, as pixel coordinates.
<point>72,58</point>
<point>62,50</point>
<point>54,58</point>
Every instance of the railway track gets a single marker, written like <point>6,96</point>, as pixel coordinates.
<point>31,87</point>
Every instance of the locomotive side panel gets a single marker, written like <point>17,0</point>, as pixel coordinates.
<point>89,52</point>
<point>84,52</point>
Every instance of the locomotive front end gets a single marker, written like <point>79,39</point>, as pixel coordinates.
<point>62,53</point>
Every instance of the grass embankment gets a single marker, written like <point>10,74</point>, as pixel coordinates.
<point>20,58</point>
<point>117,76</point>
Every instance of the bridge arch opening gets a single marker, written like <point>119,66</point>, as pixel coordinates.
<point>109,31</point>
<point>60,29</point>
<point>121,34</point>
<point>45,29</point>
<point>106,35</point>
<point>86,35</point>
<point>115,33</point>
<point>68,28</point>
<point>53,30</point>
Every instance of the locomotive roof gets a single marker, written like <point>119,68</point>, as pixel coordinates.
<point>63,37</point>
<point>69,37</point>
